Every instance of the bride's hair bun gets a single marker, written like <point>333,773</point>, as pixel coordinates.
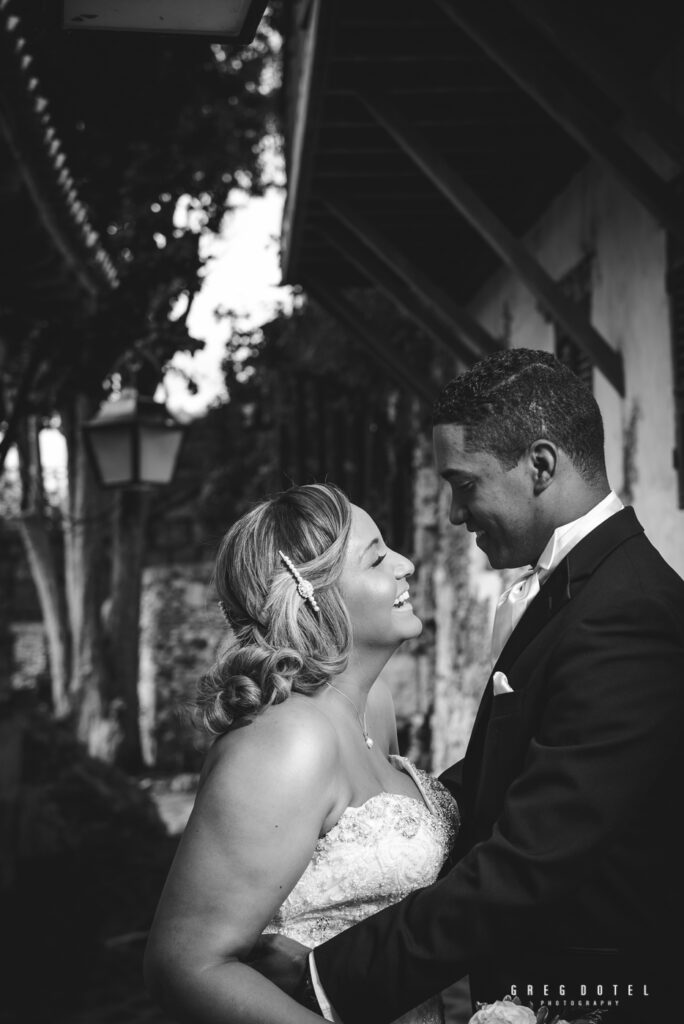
<point>279,642</point>
<point>245,680</point>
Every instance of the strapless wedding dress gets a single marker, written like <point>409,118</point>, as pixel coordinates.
<point>372,857</point>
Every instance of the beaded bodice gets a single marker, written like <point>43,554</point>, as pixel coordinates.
<point>372,857</point>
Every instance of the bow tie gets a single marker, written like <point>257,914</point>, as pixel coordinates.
<point>511,607</point>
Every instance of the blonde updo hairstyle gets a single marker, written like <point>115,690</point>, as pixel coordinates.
<point>278,643</point>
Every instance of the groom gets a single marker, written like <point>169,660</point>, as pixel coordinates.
<point>566,882</point>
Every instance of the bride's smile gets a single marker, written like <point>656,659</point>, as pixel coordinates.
<point>373,585</point>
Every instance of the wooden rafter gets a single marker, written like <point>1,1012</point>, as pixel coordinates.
<point>647,110</point>
<point>514,254</point>
<point>315,35</point>
<point>381,276</point>
<point>462,328</point>
<point>348,317</point>
<point>475,18</point>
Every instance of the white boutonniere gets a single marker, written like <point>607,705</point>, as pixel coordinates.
<point>500,684</point>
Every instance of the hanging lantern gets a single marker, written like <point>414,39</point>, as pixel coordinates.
<point>133,441</point>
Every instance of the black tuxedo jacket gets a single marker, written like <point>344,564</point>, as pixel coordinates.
<point>570,793</point>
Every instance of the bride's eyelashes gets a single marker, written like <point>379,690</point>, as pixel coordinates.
<point>378,560</point>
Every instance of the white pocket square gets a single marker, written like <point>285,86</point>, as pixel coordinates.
<point>501,684</point>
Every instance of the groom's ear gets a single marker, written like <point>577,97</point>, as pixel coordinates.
<point>543,462</point>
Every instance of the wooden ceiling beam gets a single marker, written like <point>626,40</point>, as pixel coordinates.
<point>425,210</point>
<point>473,121</point>
<point>473,141</point>
<point>314,38</point>
<point>348,317</point>
<point>385,57</point>
<point>647,110</point>
<point>475,18</point>
<point>459,323</point>
<point>379,275</point>
<point>510,250</point>
<point>422,88</point>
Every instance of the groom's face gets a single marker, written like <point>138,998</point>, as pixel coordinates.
<point>494,503</point>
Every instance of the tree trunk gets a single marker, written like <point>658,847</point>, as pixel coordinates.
<point>34,530</point>
<point>124,620</point>
<point>86,526</point>
<point>93,664</point>
<point>41,558</point>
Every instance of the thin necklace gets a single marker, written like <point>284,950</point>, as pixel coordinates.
<point>362,721</point>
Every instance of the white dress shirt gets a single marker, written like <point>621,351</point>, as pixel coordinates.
<point>517,597</point>
<point>323,1002</point>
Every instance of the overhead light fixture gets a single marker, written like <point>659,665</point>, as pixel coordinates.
<point>227,20</point>
<point>133,441</point>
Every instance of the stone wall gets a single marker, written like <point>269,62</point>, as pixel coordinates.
<point>29,667</point>
<point>23,655</point>
<point>456,593</point>
<point>181,632</point>
<point>181,629</point>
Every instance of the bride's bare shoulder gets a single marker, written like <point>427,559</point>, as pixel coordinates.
<point>286,744</point>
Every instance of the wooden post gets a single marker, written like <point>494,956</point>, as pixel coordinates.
<point>321,433</point>
<point>11,743</point>
<point>128,547</point>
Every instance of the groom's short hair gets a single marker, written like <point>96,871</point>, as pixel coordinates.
<point>510,399</point>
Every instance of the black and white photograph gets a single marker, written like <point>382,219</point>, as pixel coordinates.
<point>341,511</point>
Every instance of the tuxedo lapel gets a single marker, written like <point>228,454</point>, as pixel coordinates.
<point>565,581</point>
<point>551,597</point>
<point>562,585</point>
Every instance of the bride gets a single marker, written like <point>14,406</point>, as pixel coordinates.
<point>306,819</point>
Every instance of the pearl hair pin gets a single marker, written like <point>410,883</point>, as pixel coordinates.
<point>304,587</point>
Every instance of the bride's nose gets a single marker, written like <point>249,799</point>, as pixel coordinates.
<point>404,567</point>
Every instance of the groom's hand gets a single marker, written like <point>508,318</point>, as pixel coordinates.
<point>283,961</point>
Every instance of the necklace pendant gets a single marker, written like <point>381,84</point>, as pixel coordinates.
<point>369,742</point>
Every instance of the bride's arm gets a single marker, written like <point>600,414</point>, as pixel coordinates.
<point>258,814</point>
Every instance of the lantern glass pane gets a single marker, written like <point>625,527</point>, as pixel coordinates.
<point>208,17</point>
<point>159,447</point>
<point>113,450</point>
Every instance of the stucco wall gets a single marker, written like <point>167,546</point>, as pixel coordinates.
<point>594,217</point>
<point>629,307</point>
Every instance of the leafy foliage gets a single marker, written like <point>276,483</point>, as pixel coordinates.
<point>234,456</point>
<point>158,131</point>
<point>92,856</point>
